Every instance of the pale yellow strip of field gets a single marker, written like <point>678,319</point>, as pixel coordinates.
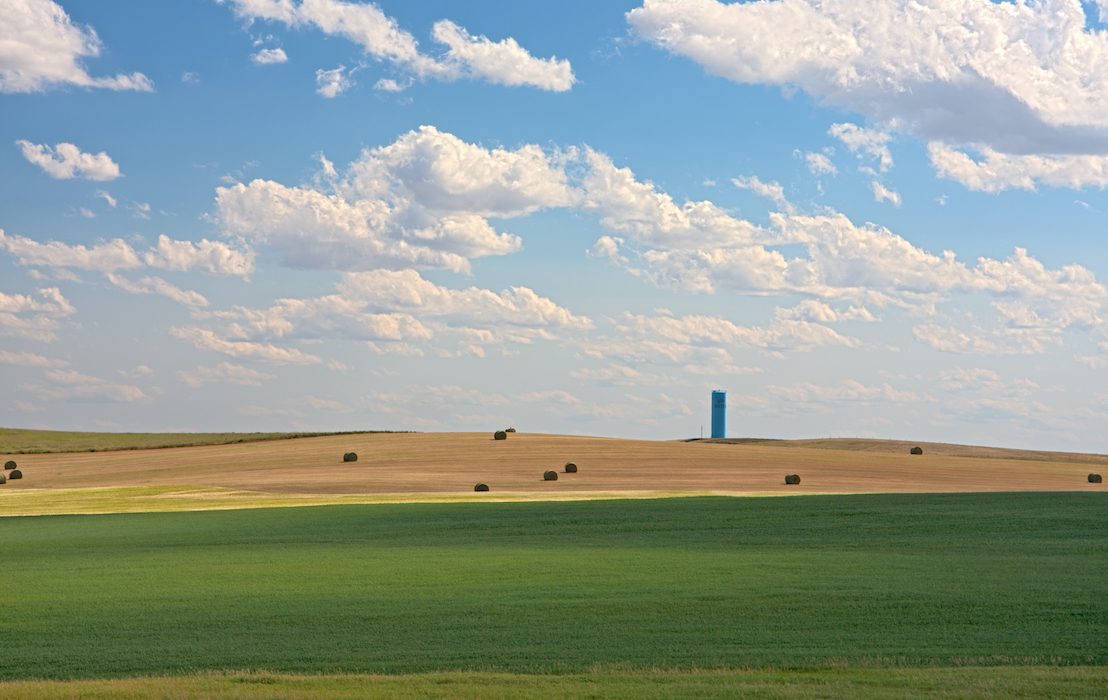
<point>168,499</point>
<point>868,682</point>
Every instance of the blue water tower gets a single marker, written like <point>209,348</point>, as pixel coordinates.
<point>719,413</point>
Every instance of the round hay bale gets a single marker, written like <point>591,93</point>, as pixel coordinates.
<point>3,479</point>
<point>1095,479</point>
<point>917,450</point>
<point>9,464</point>
<point>509,430</point>
<point>550,475</point>
<point>792,479</point>
<point>500,435</point>
<point>15,474</point>
<point>350,457</point>
<point>571,468</point>
<point>481,487</point>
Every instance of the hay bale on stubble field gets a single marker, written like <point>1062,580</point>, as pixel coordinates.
<point>3,479</point>
<point>350,457</point>
<point>481,487</point>
<point>500,435</point>
<point>792,479</point>
<point>571,468</point>
<point>9,465</point>
<point>1095,479</point>
<point>550,475</point>
<point>15,474</point>
<point>917,450</point>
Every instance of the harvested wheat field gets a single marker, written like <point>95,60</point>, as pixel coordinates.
<point>445,466</point>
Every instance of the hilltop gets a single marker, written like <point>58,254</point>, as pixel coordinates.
<point>445,466</point>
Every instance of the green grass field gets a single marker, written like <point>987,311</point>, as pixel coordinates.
<point>14,441</point>
<point>818,582</point>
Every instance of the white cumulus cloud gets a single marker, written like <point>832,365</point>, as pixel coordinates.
<point>407,291</point>
<point>1017,78</point>
<point>212,257</point>
<point>884,194</point>
<point>34,317</point>
<point>391,85</point>
<point>205,339</point>
<point>157,285</point>
<point>871,143</point>
<point>502,62</point>
<point>332,83</point>
<point>863,265</point>
<point>401,312</point>
<point>114,255</point>
<point>266,57</point>
<point>994,171</point>
<point>772,191</point>
<point>819,312</point>
<point>820,164</point>
<point>421,201</point>
<point>41,47</point>
<point>65,161</point>
<point>627,205</point>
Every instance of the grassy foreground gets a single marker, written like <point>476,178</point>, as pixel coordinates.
<point>815,581</point>
<point>998,682</point>
<point>15,441</point>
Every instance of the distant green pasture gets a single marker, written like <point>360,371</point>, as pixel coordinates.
<point>843,582</point>
<point>19,441</point>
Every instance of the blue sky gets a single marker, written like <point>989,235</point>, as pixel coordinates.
<point>864,218</point>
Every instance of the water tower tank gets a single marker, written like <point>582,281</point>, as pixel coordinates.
<point>719,413</point>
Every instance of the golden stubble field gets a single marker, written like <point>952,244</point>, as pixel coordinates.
<point>445,466</point>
